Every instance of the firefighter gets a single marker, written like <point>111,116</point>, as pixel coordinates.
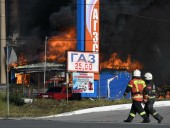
<point>150,97</point>
<point>136,86</point>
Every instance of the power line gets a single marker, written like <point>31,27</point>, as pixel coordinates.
<point>121,12</point>
<point>119,41</point>
<point>145,17</point>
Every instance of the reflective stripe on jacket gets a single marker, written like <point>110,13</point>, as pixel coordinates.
<point>137,86</point>
<point>150,90</point>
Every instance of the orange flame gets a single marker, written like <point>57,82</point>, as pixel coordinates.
<point>116,63</point>
<point>57,45</point>
<point>13,65</point>
<point>23,79</point>
<point>22,59</point>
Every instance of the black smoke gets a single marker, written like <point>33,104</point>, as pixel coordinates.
<point>33,20</point>
<point>141,29</point>
<point>137,27</point>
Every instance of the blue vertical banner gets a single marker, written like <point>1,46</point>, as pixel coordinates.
<point>82,7</point>
<point>80,25</point>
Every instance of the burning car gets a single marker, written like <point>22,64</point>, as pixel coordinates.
<point>57,92</point>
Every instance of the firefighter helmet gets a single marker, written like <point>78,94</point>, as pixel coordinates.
<point>148,76</point>
<point>136,73</point>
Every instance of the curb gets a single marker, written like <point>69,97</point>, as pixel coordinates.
<point>105,108</point>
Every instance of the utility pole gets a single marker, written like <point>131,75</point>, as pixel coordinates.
<point>8,45</point>
<point>2,42</point>
<point>45,60</point>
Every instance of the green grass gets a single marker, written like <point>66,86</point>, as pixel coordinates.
<point>44,107</point>
<point>47,107</point>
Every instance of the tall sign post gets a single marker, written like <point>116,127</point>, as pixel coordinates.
<point>88,29</point>
<point>80,24</point>
<point>92,28</point>
<point>88,25</point>
<point>92,22</point>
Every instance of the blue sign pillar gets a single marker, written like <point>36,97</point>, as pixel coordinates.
<point>81,39</point>
<point>80,25</point>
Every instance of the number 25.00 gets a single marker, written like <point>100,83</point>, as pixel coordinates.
<point>83,67</point>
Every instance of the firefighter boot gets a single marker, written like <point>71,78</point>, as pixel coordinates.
<point>146,120</point>
<point>129,119</point>
<point>158,118</point>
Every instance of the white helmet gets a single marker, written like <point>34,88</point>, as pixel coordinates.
<point>136,73</point>
<point>148,76</point>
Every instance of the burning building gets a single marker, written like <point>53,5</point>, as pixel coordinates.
<point>133,34</point>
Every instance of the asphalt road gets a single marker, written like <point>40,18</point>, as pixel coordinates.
<point>113,116</point>
<point>108,119</point>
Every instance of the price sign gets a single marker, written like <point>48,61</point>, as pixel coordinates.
<point>83,61</point>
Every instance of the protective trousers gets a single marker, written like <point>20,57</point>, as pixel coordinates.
<point>137,108</point>
<point>150,110</point>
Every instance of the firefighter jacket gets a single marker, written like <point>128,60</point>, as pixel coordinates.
<point>136,86</point>
<point>150,90</point>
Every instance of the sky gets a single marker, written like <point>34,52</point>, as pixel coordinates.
<point>135,27</point>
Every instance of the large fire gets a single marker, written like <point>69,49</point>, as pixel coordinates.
<point>116,63</point>
<point>22,60</point>
<point>56,48</point>
<point>58,45</point>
